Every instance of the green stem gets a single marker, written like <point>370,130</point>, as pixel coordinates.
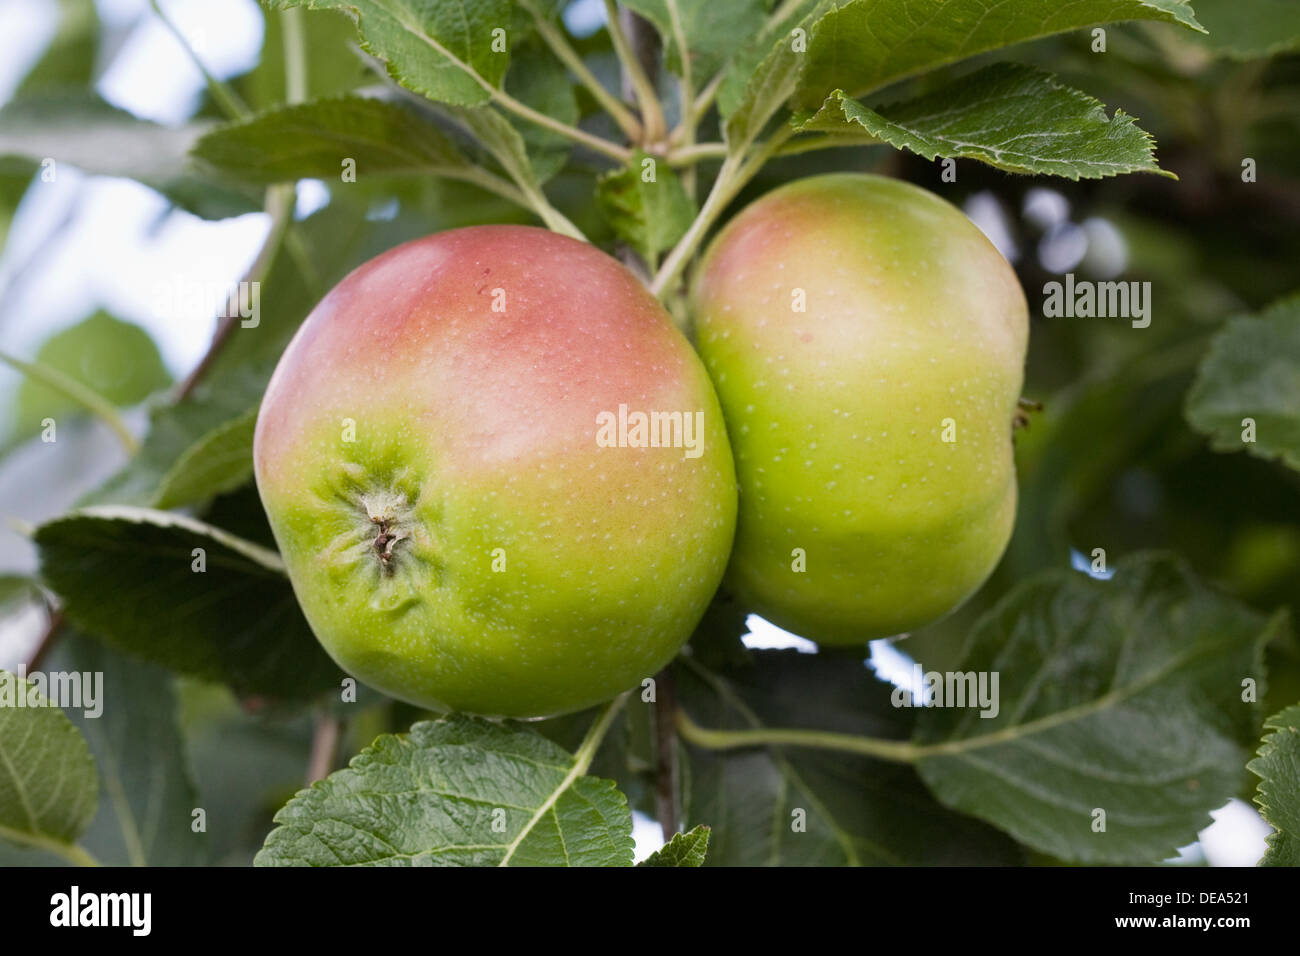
<point>732,177</point>
<point>724,188</point>
<point>586,751</point>
<point>686,92</point>
<point>73,853</point>
<point>896,751</point>
<point>225,97</point>
<point>83,395</point>
<point>694,153</point>
<point>652,117</point>
<point>597,143</point>
<point>295,56</point>
<point>567,55</point>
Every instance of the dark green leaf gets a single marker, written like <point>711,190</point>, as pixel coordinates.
<point>773,81</point>
<point>867,44</point>
<point>684,849</point>
<point>194,448</point>
<point>47,775</point>
<point>1013,117</point>
<point>220,461</point>
<point>1252,371</point>
<point>1278,767</point>
<point>459,791</point>
<point>1249,29</point>
<point>313,140</point>
<point>127,576</point>
<point>146,793</point>
<point>1122,696</point>
<point>441,49</point>
<point>802,807</point>
<point>748,57</point>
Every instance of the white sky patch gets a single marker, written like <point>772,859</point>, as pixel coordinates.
<point>1045,208</point>
<point>764,635</point>
<point>226,36</point>
<point>1062,248</point>
<point>985,210</point>
<point>1236,837</point>
<point>313,195</point>
<point>1082,562</point>
<point>896,667</point>
<point>28,26</point>
<point>647,834</point>
<point>124,251</point>
<point>584,17</point>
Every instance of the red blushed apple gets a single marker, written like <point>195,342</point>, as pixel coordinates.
<point>868,345</point>
<point>498,474</point>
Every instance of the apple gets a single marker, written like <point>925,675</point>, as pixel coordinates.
<point>498,474</point>
<point>867,342</point>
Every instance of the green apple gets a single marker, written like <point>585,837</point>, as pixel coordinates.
<point>498,474</point>
<point>867,342</point>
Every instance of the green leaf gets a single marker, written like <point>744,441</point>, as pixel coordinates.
<point>802,807</point>
<point>1013,117</point>
<point>1278,796</point>
<point>1252,371</point>
<point>459,791</point>
<point>713,30</point>
<point>79,130</point>
<point>199,432</point>
<point>247,764</point>
<point>47,775</point>
<point>649,216</point>
<point>70,58</point>
<point>287,143</point>
<point>331,63</point>
<point>748,57</point>
<point>441,49</point>
<point>146,792</point>
<point>116,360</point>
<point>772,82</point>
<point>539,80</point>
<point>16,587</point>
<point>684,849</point>
<point>220,461</point>
<point>867,44</point>
<point>1250,29</point>
<point>126,575</point>
<point>1123,696</point>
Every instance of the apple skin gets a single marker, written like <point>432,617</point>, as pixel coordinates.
<point>836,413</point>
<point>474,442</point>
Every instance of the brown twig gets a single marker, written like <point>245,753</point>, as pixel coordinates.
<point>666,769</point>
<point>279,203</point>
<point>640,74</point>
<point>52,628</point>
<point>326,731</point>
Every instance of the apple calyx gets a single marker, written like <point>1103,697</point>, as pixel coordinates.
<point>386,511</point>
